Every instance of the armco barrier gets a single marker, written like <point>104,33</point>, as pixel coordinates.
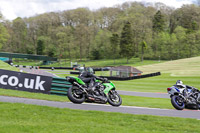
<point>74,68</point>
<point>68,68</point>
<point>75,73</point>
<point>101,69</point>
<point>59,86</point>
<point>126,78</point>
<point>132,78</point>
<point>27,56</point>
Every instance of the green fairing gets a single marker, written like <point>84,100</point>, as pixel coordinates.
<point>109,86</point>
<point>78,80</point>
<point>97,80</point>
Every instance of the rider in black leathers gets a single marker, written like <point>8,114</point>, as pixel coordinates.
<point>89,78</point>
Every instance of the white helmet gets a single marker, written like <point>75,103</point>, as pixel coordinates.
<point>180,83</point>
<point>81,69</point>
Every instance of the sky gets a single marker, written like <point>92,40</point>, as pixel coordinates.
<point>12,9</point>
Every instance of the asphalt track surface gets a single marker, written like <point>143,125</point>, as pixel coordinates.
<point>195,114</point>
<point>144,94</point>
<point>107,108</point>
<point>38,72</point>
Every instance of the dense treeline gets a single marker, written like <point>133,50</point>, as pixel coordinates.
<point>128,30</point>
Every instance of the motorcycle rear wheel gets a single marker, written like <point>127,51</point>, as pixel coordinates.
<point>177,102</point>
<point>74,96</point>
<point>114,98</point>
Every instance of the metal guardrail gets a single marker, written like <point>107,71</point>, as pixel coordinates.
<point>27,56</point>
<point>59,86</point>
<point>134,77</point>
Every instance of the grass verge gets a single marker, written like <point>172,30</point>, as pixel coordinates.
<point>127,100</point>
<point>22,118</point>
<point>163,103</point>
<point>5,66</point>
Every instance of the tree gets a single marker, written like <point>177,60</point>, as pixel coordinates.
<point>96,54</point>
<point>143,46</point>
<point>69,41</point>
<point>126,42</point>
<point>158,27</point>
<point>114,40</point>
<point>191,41</point>
<point>158,22</point>
<point>81,32</point>
<point>102,44</point>
<point>180,33</point>
<point>188,17</point>
<point>20,33</point>
<point>65,39</point>
<point>162,40</point>
<point>40,46</point>
<point>61,43</point>
<point>3,35</point>
<point>84,34</point>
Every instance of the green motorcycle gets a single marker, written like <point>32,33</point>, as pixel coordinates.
<point>103,92</point>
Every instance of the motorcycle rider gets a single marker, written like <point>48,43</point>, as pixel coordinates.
<point>179,84</point>
<point>87,75</point>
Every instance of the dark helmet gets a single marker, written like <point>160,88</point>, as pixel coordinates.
<point>90,70</point>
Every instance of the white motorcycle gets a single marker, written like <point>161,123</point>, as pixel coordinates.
<point>184,97</point>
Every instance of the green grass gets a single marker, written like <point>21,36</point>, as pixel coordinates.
<point>188,67</point>
<point>156,84</point>
<point>5,66</point>
<point>27,62</point>
<point>16,93</point>
<point>94,63</point>
<point>127,100</point>
<point>22,118</point>
<point>184,67</point>
<point>163,103</point>
<point>152,84</point>
<point>108,62</point>
<point>187,70</point>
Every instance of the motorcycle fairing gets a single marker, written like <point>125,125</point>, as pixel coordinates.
<point>109,86</point>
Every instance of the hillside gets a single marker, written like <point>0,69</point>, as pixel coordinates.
<point>182,67</point>
<point>6,66</point>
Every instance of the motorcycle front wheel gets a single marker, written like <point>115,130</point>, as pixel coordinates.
<point>114,98</point>
<point>177,102</point>
<point>75,95</point>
